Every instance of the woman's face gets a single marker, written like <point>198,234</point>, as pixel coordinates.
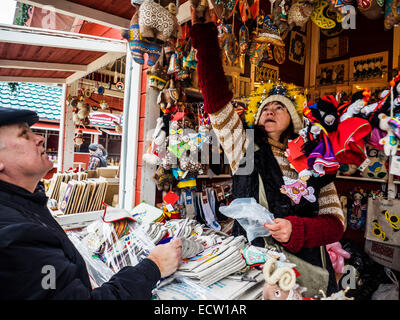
<point>275,119</point>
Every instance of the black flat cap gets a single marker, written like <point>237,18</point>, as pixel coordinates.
<point>12,116</point>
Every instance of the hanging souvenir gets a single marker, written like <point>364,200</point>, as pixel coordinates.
<point>323,18</point>
<point>299,13</point>
<point>173,66</point>
<point>372,9</point>
<point>269,33</point>
<point>244,39</point>
<point>231,48</point>
<point>78,139</point>
<point>280,15</point>
<point>201,7</point>
<point>100,89</point>
<point>224,8</point>
<point>256,52</point>
<point>297,47</point>
<point>279,54</point>
<point>392,13</point>
<point>119,85</point>
<point>244,10</point>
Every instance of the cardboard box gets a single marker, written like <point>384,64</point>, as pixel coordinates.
<point>107,172</point>
<point>92,174</point>
<point>111,191</point>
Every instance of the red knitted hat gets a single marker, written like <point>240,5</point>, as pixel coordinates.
<point>348,140</point>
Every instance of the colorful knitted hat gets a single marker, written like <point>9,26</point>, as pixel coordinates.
<point>287,94</point>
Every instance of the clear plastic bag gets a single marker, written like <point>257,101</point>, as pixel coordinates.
<point>387,291</point>
<point>251,216</point>
<point>107,247</point>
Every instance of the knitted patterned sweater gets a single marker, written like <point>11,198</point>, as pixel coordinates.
<point>328,226</point>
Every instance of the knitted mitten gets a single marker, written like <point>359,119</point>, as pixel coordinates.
<point>212,80</point>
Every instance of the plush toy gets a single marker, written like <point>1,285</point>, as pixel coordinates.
<point>358,101</point>
<point>390,141</point>
<point>347,169</point>
<point>157,22</point>
<point>78,139</point>
<point>163,179</point>
<point>378,167</point>
<point>296,189</point>
<point>168,96</point>
<point>157,76</point>
<point>280,283</point>
<point>158,139</point>
<point>138,45</point>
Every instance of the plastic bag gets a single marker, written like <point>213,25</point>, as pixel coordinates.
<point>250,215</point>
<point>109,245</point>
<point>387,291</point>
<point>98,271</point>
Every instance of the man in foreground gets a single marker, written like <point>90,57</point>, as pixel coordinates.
<point>32,242</point>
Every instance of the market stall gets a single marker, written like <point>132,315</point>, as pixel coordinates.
<point>174,180</point>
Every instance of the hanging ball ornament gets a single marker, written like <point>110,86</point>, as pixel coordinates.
<point>120,85</point>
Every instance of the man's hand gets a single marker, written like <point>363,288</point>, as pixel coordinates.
<point>281,230</point>
<point>167,256</point>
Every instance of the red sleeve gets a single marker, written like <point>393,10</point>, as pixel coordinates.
<point>212,81</point>
<point>313,232</point>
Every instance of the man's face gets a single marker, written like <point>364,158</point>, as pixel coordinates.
<point>23,152</point>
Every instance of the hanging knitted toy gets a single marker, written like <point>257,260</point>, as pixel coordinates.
<point>78,139</point>
<point>157,76</point>
<point>168,97</point>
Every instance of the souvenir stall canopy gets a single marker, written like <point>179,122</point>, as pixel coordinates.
<point>48,50</point>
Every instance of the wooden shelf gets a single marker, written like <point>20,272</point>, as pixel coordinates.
<point>363,179</point>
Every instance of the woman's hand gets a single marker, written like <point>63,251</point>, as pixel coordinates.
<point>281,230</point>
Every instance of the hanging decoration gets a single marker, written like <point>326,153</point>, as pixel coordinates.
<point>297,47</point>
<point>279,54</point>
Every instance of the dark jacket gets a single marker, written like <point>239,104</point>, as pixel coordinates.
<point>266,165</point>
<point>30,240</point>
